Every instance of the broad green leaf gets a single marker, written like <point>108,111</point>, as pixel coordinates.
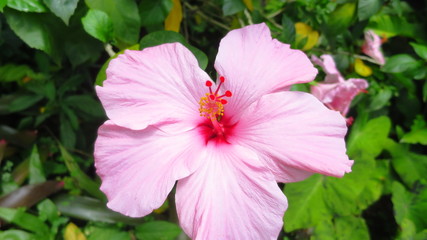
<point>324,230</point>
<point>14,73</point>
<point>48,211</point>
<point>391,25</point>
<point>86,104</point>
<point>28,195</point>
<point>64,9</point>
<point>399,63</point>
<point>420,49</point>
<point>154,12</point>
<point>23,102</point>
<point>2,4</point>
<point>84,181</point>
<point>27,5</point>
<point>351,228</point>
<point>368,8</point>
<point>288,33</point>
<point>410,166</point>
<point>66,131</point>
<point>381,99</point>
<point>157,230</point>
<point>72,232</point>
<point>91,209</point>
<point>33,30</point>
<point>231,7</point>
<point>173,20</point>
<point>306,204</point>
<point>160,37</point>
<point>36,167</point>
<point>341,18</point>
<point>25,220</point>
<point>14,234</point>
<point>99,25</point>
<point>412,206</point>
<point>98,233</point>
<point>415,136</point>
<point>125,17</point>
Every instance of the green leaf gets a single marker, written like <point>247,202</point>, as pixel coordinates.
<point>420,49</point>
<point>2,4</point>
<point>425,92</point>
<point>341,18</point>
<point>350,227</point>
<point>64,9</point>
<point>36,168</point>
<point>381,99</point>
<point>399,63</point>
<point>66,131</point>
<point>72,118</point>
<point>91,209</point>
<point>160,37</point>
<point>14,73</point>
<point>86,104</point>
<point>154,12</point>
<point>411,167</point>
<point>27,5</point>
<point>98,233</point>
<point>415,136</point>
<point>125,17</point>
<point>23,102</point>
<point>25,220</point>
<point>33,30</point>
<point>84,181</point>
<point>14,234</point>
<point>412,206</point>
<point>306,204</point>
<point>288,33</point>
<point>99,25</point>
<point>48,211</point>
<point>368,8</point>
<point>391,25</point>
<point>231,7</point>
<point>157,230</point>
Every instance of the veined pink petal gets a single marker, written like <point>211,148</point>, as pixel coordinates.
<point>327,63</point>
<point>138,168</point>
<point>231,196</point>
<point>372,47</point>
<point>295,129</point>
<point>156,85</point>
<point>254,64</point>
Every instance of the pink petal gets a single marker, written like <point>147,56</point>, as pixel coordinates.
<point>254,64</point>
<point>372,47</point>
<point>294,129</point>
<point>327,63</point>
<point>138,168</point>
<point>156,85</point>
<point>231,196</point>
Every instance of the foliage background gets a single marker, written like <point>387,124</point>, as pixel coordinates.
<point>53,52</point>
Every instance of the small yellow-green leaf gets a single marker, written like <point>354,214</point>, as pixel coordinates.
<point>249,4</point>
<point>305,33</point>
<point>361,68</point>
<point>72,232</point>
<point>173,20</point>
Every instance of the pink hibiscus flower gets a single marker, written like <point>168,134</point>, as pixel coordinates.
<point>372,47</point>
<point>227,144</point>
<point>336,92</point>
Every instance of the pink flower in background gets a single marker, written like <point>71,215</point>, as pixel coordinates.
<point>227,144</point>
<point>336,92</point>
<point>372,47</point>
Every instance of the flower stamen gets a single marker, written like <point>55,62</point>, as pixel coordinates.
<point>212,104</point>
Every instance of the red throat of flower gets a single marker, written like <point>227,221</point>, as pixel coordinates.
<point>212,105</point>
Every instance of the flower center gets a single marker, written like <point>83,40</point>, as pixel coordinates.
<point>212,106</point>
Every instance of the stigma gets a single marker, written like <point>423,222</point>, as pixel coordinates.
<point>212,104</point>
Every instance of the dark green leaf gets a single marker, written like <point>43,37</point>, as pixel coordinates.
<point>21,138</point>
<point>86,104</point>
<point>98,233</point>
<point>66,132</point>
<point>98,24</point>
<point>125,17</point>
<point>14,73</point>
<point>154,12</point>
<point>381,99</point>
<point>91,209</point>
<point>399,63</point>
<point>64,9</point>
<point>72,118</point>
<point>231,7</point>
<point>368,8</point>
<point>23,102</point>
<point>288,33</point>
<point>27,5</point>
<point>351,228</point>
<point>29,195</point>
<point>160,37</point>
<point>157,230</point>
<point>420,49</point>
<point>36,167</point>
